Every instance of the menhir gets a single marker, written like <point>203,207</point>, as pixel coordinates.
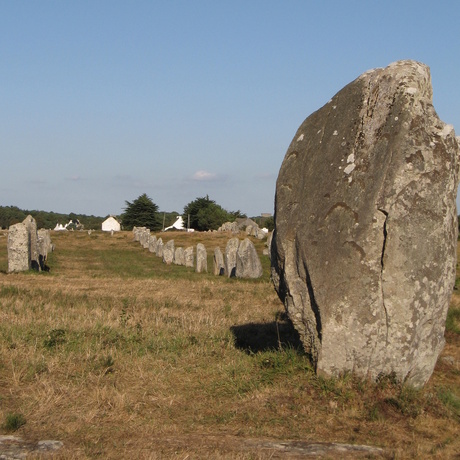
<point>364,249</point>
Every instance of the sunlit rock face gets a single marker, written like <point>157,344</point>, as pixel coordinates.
<point>364,248</point>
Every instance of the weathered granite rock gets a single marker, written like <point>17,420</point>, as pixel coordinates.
<point>249,229</point>
<point>160,246</point>
<point>218,263</point>
<point>364,248</point>
<point>18,248</point>
<point>152,243</point>
<point>189,259</point>
<point>44,246</point>
<point>137,232</point>
<point>247,261</point>
<point>31,226</point>
<point>179,256</point>
<point>168,252</point>
<point>229,227</point>
<point>14,447</point>
<point>230,256</point>
<point>145,238</point>
<point>201,258</point>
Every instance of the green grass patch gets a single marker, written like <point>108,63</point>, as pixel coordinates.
<point>14,421</point>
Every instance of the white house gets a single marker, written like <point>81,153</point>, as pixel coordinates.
<point>111,225</point>
<point>178,225</point>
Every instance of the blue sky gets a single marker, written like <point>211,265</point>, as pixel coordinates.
<point>104,100</point>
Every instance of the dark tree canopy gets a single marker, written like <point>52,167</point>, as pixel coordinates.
<point>205,214</point>
<point>10,215</point>
<point>142,212</point>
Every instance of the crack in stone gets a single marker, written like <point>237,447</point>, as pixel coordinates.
<point>382,264</point>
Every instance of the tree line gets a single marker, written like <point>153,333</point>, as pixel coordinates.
<point>201,214</point>
<point>10,215</point>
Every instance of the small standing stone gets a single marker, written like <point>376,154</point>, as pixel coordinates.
<point>159,251</point>
<point>31,226</point>
<point>230,256</point>
<point>153,243</point>
<point>218,263</point>
<point>188,253</point>
<point>201,258</point>
<point>168,252</point>
<point>179,256</point>
<point>247,261</point>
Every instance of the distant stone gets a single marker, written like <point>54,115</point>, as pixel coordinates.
<point>189,259</point>
<point>179,256</point>
<point>45,246</point>
<point>137,231</point>
<point>201,258</point>
<point>168,252</point>
<point>364,249</point>
<point>159,251</point>
<point>247,261</point>
<point>229,227</point>
<point>268,244</point>
<point>144,238</point>
<point>152,243</point>
<point>218,263</point>
<point>230,256</point>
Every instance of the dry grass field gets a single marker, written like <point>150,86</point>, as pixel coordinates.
<point>120,356</point>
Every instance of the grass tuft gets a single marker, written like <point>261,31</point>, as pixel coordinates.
<point>14,421</point>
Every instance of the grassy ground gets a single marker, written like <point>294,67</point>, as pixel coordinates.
<point>120,356</point>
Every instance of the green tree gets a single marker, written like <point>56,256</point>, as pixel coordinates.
<point>142,212</point>
<point>205,214</point>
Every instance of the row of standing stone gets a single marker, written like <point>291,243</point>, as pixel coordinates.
<point>239,260</point>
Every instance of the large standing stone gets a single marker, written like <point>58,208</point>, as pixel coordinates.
<point>201,258</point>
<point>247,261</point>
<point>218,268</point>
<point>230,256</point>
<point>168,252</point>
<point>18,248</point>
<point>364,249</point>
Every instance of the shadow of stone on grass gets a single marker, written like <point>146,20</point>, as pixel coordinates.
<point>258,337</point>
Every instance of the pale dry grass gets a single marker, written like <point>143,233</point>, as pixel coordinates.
<point>120,356</point>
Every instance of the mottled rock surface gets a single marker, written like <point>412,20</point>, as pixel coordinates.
<point>152,243</point>
<point>160,245</point>
<point>31,226</point>
<point>364,248</point>
<point>201,259</point>
<point>189,258</point>
<point>218,267</point>
<point>179,256</point>
<point>168,252</point>
<point>18,248</point>
<point>230,256</point>
<point>247,261</point>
